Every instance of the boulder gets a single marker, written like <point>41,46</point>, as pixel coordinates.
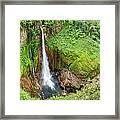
<point>68,81</point>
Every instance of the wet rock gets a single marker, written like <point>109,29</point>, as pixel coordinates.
<point>68,81</point>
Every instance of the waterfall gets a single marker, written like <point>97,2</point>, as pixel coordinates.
<point>45,76</point>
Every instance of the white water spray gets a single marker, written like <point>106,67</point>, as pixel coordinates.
<point>46,77</point>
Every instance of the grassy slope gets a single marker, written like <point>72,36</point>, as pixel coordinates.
<point>82,54</point>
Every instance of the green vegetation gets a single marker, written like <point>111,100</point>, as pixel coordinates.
<point>78,44</point>
<point>81,54</point>
<point>89,92</point>
<point>25,61</point>
<point>26,96</point>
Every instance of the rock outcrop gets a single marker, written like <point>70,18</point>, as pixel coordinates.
<point>68,81</point>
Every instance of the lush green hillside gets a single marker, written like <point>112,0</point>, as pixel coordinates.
<point>81,54</point>
<point>72,45</point>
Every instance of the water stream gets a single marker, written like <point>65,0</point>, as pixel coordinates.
<point>46,76</point>
<point>50,84</point>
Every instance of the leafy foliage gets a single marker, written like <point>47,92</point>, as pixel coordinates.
<point>26,96</point>
<point>80,53</point>
<point>25,61</point>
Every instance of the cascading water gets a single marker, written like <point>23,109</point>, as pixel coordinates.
<point>50,85</point>
<point>46,77</point>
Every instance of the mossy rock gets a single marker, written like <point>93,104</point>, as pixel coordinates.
<point>80,54</point>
